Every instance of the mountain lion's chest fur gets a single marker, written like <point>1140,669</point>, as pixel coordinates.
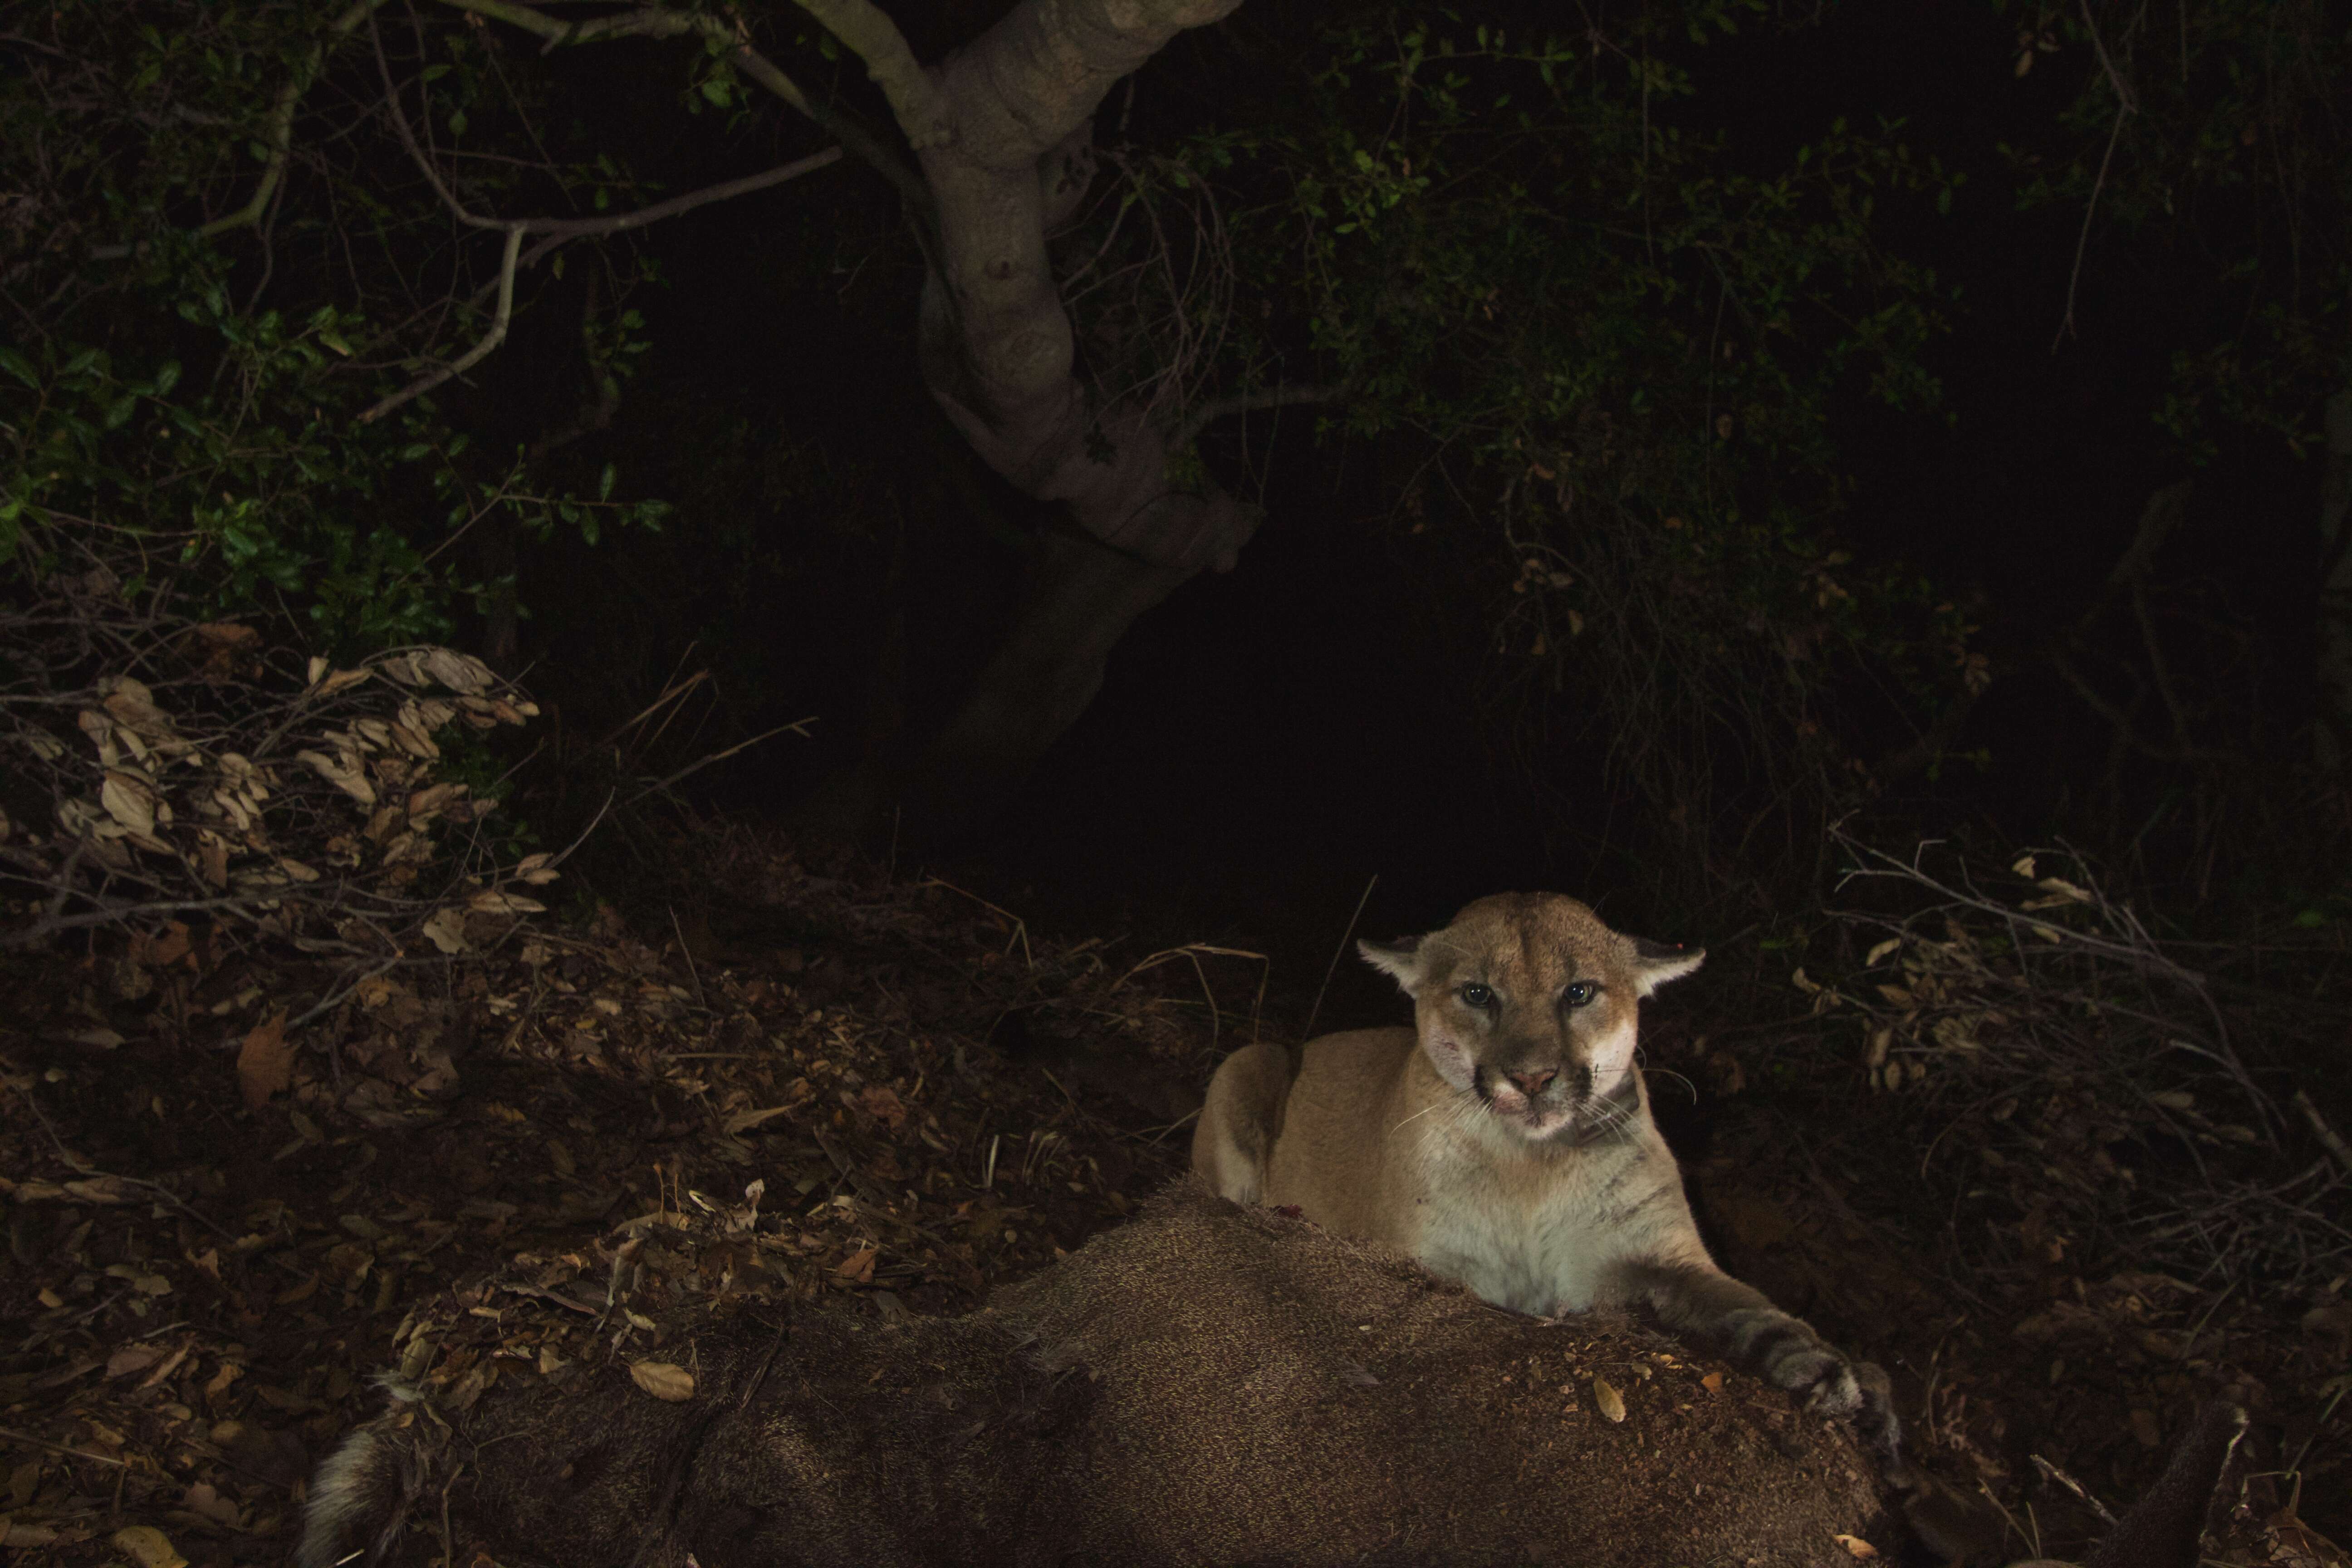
<point>1373,1145</point>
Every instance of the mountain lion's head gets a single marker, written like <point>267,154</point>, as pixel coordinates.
<point>1526,1002</point>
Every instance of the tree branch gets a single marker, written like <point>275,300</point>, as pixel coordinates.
<point>998,346</point>
<point>653,21</point>
<point>891,65</point>
<point>572,229</point>
<point>557,229</point>
<point>416,153</point>
<point>277,131</point>
<point>280,126</point>
<point>473,356</point>
<point>2121,721</point>
<point>1216,408</point>
<point>2126,106</point>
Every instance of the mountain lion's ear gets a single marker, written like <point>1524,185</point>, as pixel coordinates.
<point>1656,963</point>
<point>1400,960</point>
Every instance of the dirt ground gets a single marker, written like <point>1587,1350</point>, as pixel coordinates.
<point>224,1216</point>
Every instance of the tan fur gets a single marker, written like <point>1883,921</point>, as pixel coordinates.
<point>1202,1387</point>
<point>1505,1141</point>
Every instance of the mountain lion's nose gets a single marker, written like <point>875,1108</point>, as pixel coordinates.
<point>1532,1083</point>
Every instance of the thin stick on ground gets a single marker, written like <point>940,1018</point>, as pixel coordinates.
<point>1336,954</point>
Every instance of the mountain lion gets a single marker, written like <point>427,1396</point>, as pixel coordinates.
<point>1506,1142</point>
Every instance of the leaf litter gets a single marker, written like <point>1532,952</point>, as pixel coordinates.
<point>2056,1202</point>
<point>518,1161</point>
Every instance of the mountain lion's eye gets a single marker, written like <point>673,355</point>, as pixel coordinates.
<point>1478,995</point>
<point>1579,993</point>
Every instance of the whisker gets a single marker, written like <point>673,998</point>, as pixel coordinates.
<point>1457,1111</point>
<point>1413,1117</point>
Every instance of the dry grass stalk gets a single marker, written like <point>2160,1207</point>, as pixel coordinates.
<point>2062,1060</point>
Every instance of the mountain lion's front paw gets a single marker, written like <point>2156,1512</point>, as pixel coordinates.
<point>1876,1422</point>
<point>1791,1356</point>
<point>1816,1374</point>
<point>1857,1391</point>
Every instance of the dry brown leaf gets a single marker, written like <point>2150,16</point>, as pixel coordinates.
<point>457,671</point>
<point>434,798</point>
<point>1605,1396</point>
<point>265,1063</point>
<point>100,1190</point>
<point>129,800</point>
<point>1857,1546</point>
<point>212,851</point>
<point>858,1266</point>
<point>171,1364</point>
<point>346,776</point>
<point>133,706</point>
<point>164,951</point>
<point>132,1358</point>
<point>663,1381</point>
<point>1712,1382</point>
<point>149,1547</point>
<point>447,930</point>
<point>204,1499</point>
<point>341,680</point>
<point>497,903</point>
<point>885,1106</point>
<point>744,1121</point>
<point>414,741</point>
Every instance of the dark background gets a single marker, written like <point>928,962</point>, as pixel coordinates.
<point>1268,741</point>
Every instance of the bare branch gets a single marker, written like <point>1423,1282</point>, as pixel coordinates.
<point>2126,104</point>
<point>572,229</point>
<point>559,229</point>
<point>2126,731</point>
<point>416,153</point>
<point>1282,397</point>
<point>277,131</point>
<point>473,356</point>
<point>891,65</point>
<point>653,21</point>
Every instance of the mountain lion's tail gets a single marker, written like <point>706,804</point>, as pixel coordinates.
<point>366,1493</point>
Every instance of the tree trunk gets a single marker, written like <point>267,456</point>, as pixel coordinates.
<point>1004,135</point>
